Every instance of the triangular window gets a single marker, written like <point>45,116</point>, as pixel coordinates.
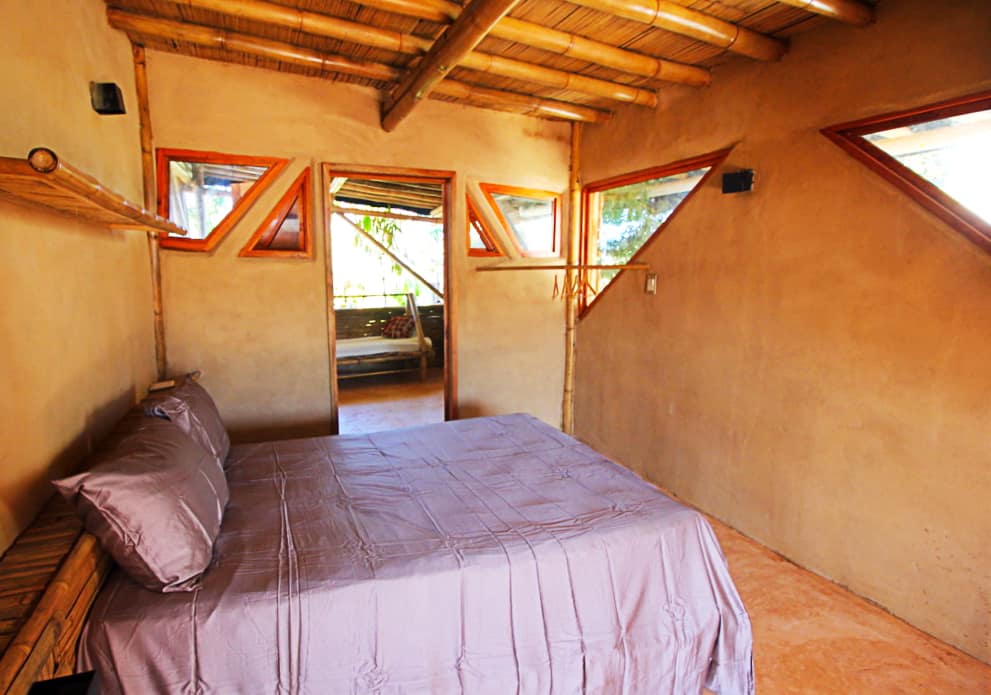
<point>624,213</point>
<point>530,217</point>
<point>481,240</point>
<point>207,193</point>
<point>286,230</point>
<point>937,154</point>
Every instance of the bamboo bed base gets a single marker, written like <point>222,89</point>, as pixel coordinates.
<point>49,578</point>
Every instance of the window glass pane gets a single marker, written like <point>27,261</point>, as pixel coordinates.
<point>631,214</point>
<point>951,153</point>
<point>202,194</point>
<point>287,237</point>
<point>531,220</point>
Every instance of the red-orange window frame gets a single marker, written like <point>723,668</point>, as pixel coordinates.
<point>300,189</point>
<point>711,160</point>
<point>274,167</point>
<point>850,137</point>
<point>489,189</point>
<point>472,215</point>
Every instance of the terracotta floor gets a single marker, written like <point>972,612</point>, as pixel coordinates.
<point>370,404</point>
<point>810,635</point>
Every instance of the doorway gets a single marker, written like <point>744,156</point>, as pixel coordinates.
<point>389,298</point>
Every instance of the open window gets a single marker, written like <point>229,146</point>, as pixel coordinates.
<point>285,233</point>
<point>530,217</point>
<point>624,213</point>
<point>937,154</point>
<point>207,193</point>
<point>481,240</point>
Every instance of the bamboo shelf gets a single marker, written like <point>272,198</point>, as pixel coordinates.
<point>42,179</point>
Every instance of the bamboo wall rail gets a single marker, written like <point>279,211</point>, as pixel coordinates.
<point>565,266</point>
<point>848,11</point>
<point>346,30</point>
<point>555,41</point>
<point>138,25</point>
<point>694,24</point>
<point>42,179</point>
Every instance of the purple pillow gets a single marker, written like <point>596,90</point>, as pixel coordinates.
<point>154,499</point>
<point>190,407</point>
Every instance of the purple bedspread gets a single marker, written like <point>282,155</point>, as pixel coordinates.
<point>491,556</point>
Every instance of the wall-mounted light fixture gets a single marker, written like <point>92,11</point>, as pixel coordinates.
<point>106,98</point>
<point>739,181</point>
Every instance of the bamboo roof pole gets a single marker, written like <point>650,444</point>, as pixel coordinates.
<point>848,11</point>
<point>139,25</point>
<point>555,41</point>
<point>694,24</point>
<point>457,41</point>
<point>561,42</point>
<point>391,254</point>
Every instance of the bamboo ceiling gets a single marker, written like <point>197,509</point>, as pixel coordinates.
<point>549,58</point>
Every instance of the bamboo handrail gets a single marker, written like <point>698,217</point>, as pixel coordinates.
<point>138,25</point>
<point>848,11</point>
<point>694,24</point>
<point>74,192</point>
<point>346,30</point>
<point>387,214</point>
<point>555,41</point>
<point>458,40</point>
<point>388,252</point>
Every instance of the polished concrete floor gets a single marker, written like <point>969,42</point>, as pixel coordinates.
<point>810,635</point>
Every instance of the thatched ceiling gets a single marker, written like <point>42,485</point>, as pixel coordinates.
<point>571,60</point>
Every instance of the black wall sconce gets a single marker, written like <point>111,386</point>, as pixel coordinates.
<point>739,181</point>
<point>106,98</point>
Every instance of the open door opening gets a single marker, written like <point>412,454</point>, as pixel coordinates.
<point>388,304</point>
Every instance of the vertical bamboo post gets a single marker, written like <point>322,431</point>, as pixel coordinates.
<point>328,263</point>
<point>148,177</point>
<point>571,300</point>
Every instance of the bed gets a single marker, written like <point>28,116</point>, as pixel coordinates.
<point>492,555</point>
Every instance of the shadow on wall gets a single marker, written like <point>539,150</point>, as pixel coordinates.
<point>23,496</point>
<point>265,431</point>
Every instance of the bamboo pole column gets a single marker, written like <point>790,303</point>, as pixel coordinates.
<point>571,300</point>
<point>148,177</point>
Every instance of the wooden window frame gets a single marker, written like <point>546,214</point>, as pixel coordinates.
<point>274,166</point>
<point>711,159</point>
<point>850,137</point>
<point>490,189</point>
<point>300,189</point>
<point>475,221</point>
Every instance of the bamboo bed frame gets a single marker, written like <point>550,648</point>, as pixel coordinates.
<point>423,355</point>
<point>49,578</point>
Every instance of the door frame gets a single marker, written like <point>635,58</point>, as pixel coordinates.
<point>331,170</point>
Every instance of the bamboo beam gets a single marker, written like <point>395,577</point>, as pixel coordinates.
<point>388,215</point>
<point>388,252</point>
<point>345,30</point>
<point>148,177</point>
<point>571,302</point>
<point>458,40</point>
<point>676,18</point>
<point>554,41</point>
<point>139,25</point>
<point>848,11</point>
